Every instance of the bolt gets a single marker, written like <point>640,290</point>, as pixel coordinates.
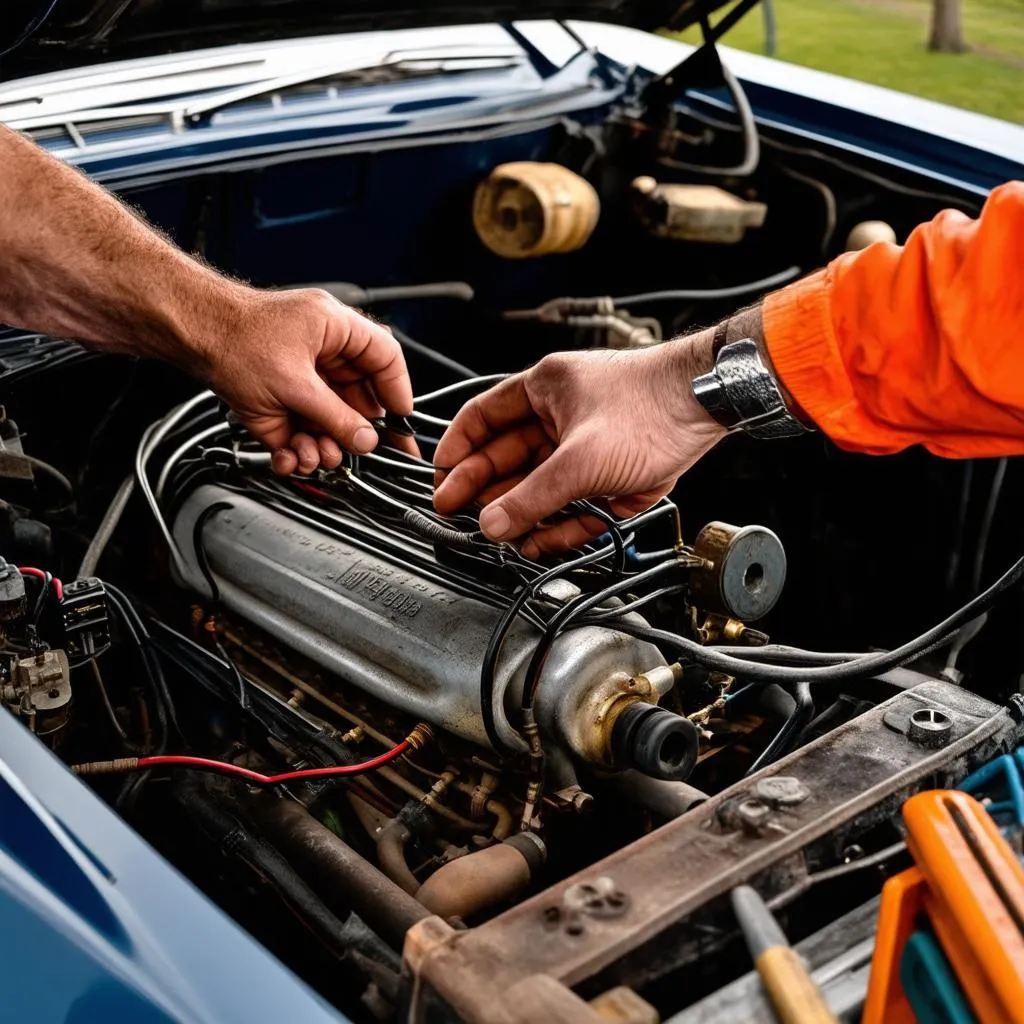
<point>782,791</point>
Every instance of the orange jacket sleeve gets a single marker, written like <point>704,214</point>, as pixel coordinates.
<point>919,344</point>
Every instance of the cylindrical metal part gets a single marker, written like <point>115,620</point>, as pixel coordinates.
<point>745,570</point>
<point>344,880</point>
<point>470,884</point>
<point>665,798</point>
<point>530,209</point>
<point>412,642</point>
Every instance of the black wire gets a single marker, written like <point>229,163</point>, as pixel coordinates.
<point>574,610</point>
<point>854,668</point>
<point>40,602</point>
<point>488,667</point>
<point>784,739</point>
<point>600,618</point>
<point>200,551</point>
<point>154,670</point>
<point>711,294</point>
<point>986,523</point>
<point>459,369</point>
<point>614,530</point>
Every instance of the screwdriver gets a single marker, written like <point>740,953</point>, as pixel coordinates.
<point>794,996</point>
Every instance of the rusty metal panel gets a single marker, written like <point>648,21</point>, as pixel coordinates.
<point>579,926</point>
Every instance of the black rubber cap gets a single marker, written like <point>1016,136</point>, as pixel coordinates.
<point>656,742</point>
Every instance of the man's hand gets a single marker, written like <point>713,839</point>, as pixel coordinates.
<point>305,374</point>
<point>621,426</point>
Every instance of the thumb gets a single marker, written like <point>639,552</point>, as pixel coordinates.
<point>320,405</point>
<point>545,491</point>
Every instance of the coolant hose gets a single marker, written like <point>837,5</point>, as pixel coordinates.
<point>464,887</point>
<point>391,855</point>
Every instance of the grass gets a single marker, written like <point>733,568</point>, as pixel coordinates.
<point>883,42</point>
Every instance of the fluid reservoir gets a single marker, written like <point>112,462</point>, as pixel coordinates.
<point>529,209</point>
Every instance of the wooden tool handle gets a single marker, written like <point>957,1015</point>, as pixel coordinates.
<point>797,1000</point>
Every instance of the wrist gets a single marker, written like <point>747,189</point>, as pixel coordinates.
<point>686,358</point>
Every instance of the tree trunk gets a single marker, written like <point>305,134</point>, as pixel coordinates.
<point>947,34</point>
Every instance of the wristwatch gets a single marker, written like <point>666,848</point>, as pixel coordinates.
<point>741,393</point>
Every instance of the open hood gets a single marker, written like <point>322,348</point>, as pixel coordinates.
<point>38,36</point>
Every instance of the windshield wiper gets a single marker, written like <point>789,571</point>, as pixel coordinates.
<point>411,65</point>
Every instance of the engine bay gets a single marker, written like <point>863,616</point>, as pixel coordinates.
<point>421,768</point>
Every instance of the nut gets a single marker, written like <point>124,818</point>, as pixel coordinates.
<point>930,727</point>
<point>782,791</point>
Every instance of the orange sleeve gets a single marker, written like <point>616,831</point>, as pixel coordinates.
<point>919,344</point>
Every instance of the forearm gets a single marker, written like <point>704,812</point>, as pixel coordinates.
<point>76,263</point>
<point>914,344</point>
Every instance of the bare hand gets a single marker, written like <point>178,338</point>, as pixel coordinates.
<point>621,426</point>
<point>305,374</point>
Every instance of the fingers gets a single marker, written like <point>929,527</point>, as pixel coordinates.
<point>572,533</point>
<point>482,418</point>
<point>545,491</point>
<point>319,404</point>
<point>504,456</point>
<point>373,351</point>
<point>284,461</point>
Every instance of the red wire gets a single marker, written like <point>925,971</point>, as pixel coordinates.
<point>310,489</point>
<point>58,587</point>
<point>206,764</point>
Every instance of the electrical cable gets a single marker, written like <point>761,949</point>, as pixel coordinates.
<point>852,668</point>
<point>153,437</point>
<point>571,611</point>
<point>711,294</point>
<point>603,617</point>
<point>192,442</point>
<point>459,369</point>
<point>130,764</point>
<point>988,518</point>
<point>488,666</point>
<point>104,532</point>
<point>48,578</point>
<point>460,385</point>
<point>973,628</point>
<point>105,701</point>
<point>747,125</point>
<point>784,739</point>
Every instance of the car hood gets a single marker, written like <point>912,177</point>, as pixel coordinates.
<point>38,36</point>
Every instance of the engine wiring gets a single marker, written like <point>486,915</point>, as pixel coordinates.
<point>131,764</point>
<point>381,503</point>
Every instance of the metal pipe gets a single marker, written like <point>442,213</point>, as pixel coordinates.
<point>343,879</point>
<point>659,796</point>
<point>464,887</point>
<point>503,821</point>
<point>391,842</point>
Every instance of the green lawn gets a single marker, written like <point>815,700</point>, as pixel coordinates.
<point>883,41</point>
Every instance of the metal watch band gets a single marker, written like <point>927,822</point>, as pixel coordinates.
<point>742,394</point>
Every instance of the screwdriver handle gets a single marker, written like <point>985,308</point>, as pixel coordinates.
<point>795,997</point>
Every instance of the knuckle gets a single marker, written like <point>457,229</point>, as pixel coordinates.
<point>557,366</point>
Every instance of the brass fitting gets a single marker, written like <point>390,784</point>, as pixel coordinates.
<point>420,736</point>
